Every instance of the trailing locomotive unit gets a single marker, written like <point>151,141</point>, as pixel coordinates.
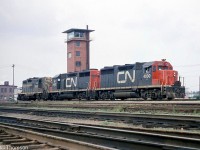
<point>79,85</point>
<point>35,88</point>
<point>154,80</point>
<point>64,86</point>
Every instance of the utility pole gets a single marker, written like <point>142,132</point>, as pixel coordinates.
<point>13,80</point>
<point>199,87</point>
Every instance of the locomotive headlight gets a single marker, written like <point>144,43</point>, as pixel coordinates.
<point>174,74</point>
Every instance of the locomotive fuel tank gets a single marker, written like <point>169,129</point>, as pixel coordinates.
<point>124,95</point>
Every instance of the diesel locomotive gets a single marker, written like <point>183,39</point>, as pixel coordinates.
<point>154,80</point>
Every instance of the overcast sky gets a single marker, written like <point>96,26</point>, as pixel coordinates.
<point>126,31</point>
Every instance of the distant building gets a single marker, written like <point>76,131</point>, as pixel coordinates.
<point>6,91</point>
<point>78,49</point>
<point>193,95</point>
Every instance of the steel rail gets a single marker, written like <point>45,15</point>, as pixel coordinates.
<point>147,120</point>
<point>76,127</point>
<point>86,133</point>
<point>135,106</point>
<point>109,105</point>
<point>175,102</point>
<point>126,107</point>
<point>17,142</point>
<point>65,112</point>
<point>107,141</point>
<point>61,143</point>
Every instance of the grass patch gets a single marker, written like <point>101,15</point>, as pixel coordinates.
<point>119,108</point>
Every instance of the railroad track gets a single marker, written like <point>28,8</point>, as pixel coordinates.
<point>10,141</point>
<point>146,120</point>
<point>107,137</point>
<point>12,138</point>
<point>130,106</point>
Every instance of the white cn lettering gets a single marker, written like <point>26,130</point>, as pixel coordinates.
<point>71,82</point>
<point>126,75</point>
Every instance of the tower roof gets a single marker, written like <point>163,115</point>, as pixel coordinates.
<point>78,30</point>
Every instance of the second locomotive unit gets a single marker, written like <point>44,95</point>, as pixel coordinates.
<point>147,80</point>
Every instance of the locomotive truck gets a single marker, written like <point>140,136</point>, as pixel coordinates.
<point>147,80</point>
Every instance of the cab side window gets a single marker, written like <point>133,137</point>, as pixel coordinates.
<point>147,70</point>
<point>154,68</point>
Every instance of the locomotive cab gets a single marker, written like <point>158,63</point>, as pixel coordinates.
<point>164,81</point>
<point>163,73</point>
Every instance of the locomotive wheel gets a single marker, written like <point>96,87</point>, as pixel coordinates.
<point>25,98</point>
<point>170,96</point>
<point>79,96</point>
<point>54,97</point>
<point>38,97</point>
<point>84,96</point>
<point>144,95</point>
<point>154,96</point>
<point>88,98</point>
<point>111,96</point>
<point>103,96</point>
<point>22,98</point>
<point>160,98</point>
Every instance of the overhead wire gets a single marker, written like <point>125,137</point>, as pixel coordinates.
<point>192,65</point>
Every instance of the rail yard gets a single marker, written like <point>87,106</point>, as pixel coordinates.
<point>134,106</point>
<point>96,75</point>
<point>128,107</point>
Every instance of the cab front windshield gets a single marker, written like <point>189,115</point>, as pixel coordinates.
<point>164,68</point>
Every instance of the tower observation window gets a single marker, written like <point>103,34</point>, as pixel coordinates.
<point>78,53</point>
<point>78,63</point>
<point>70,35</point>
<point>75,35</point>
<point>69,55</point>
<point>77,43</point>
<point>78,34</point>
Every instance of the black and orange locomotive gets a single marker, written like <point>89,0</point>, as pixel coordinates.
<point>148,80</point>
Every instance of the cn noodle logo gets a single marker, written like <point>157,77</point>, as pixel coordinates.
<point>70,82</point>
<point>125,75</point>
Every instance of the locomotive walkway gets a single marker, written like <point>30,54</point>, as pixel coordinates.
<point>106,137</point>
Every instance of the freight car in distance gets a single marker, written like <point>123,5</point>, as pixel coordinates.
<point>148,80</point>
